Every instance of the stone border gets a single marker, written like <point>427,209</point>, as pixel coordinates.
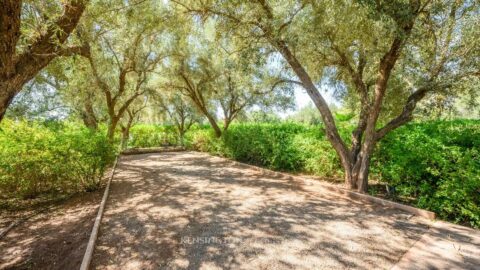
<point>87,258</point>
<point>138,151</point>
<point>345,192</point>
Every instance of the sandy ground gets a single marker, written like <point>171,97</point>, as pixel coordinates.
<point>193,211</point>
<point>52,240</point>
<point>444,246</point>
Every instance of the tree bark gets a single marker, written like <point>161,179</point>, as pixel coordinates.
<point>213,123</point>
<point>125,136</point>
<point>331,129</point>
<point>16,70</point>
<point>112,126</point>
<point>88,115</point>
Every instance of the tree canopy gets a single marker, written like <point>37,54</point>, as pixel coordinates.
<point>387,62</point>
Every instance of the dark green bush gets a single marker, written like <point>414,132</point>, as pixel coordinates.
<point>270,145</point>
<point>282,146</point>
<point>37,158</point>
<point>438,164</point>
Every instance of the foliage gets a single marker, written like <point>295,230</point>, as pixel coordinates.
<point>438,163</point>
<point>280,146</point>
<point>268,145</point>
<point>142,135</point>
<point>50,157</point>
<point>203,138</point>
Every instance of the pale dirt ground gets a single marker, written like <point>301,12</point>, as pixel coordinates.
<point>189,210</point>
<point>55,239</point>
<point>444,246</point>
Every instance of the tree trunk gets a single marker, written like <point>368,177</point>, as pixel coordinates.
<point>18,69</point>
<point>182,138</point>
<point>226,124</point>
<point>362,174</point>
<point>111,129</point>
<point>125,137</point>
<point>356,174</point>
<point>6,97</point>
<point>331,129</point>
<point>213,123</point>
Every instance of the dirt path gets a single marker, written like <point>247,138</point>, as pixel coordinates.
<point>194,211</point>
<point>55,239</point>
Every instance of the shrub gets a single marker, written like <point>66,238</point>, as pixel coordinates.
<point>269,145</point>
<point>280,146</point>
<point>317,154</point>
<point>38,158</point>
<point>204,140</point>
<point>142,135</point>
<point>434,165</point>
<point>438,164</point>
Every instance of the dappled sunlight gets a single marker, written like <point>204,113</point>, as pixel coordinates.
<point>193,211</point>
<point>54,240</point>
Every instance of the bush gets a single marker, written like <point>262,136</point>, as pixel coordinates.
<point>38,158</point>
<point>269,145</point>
<point>282,146</point>
<point>433,165</point>
<point>203,139</point>
<point>438,164</point>
<point>317,155</point>
<point>152,136</point>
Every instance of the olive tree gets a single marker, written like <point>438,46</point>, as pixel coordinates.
<point>32,35</point>
<point>382,52</point>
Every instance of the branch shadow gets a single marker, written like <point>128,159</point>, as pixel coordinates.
<point>193,211</point>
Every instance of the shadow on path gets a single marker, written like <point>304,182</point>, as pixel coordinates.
<point>189,210</point>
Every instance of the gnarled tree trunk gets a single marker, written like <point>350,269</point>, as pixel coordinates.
<point>18,69</point>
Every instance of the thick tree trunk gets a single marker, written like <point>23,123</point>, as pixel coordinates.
<point>7,95</point>
<point>89,122</point>
<point>213,123</point>
<point>111,129</point>
<point>182,138</point>
<point>362,174</point>
<point>18,69</point>
<point>356,174</point>
<point>349,177</point>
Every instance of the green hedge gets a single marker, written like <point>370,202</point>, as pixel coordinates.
<point>143,135</point>
<point>282,146</point>
<point>438,164</point>
<point>38,158</point>
<point>435,164</point>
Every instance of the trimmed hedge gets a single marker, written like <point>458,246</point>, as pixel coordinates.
<point>38,158</point>
<point>143,135</point>
<point>436,164</point>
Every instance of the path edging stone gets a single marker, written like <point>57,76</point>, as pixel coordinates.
<point>87,258</point>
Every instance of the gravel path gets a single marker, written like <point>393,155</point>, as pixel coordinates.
<point>189,210</point>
